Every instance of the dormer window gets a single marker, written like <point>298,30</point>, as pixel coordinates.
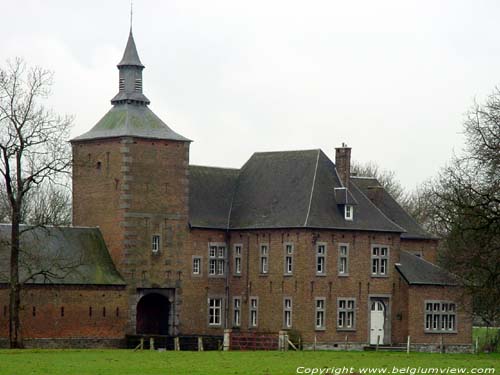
<point>348,212</point>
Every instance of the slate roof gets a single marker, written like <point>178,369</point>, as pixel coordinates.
<point>288,189</point>
<point>72,255</point>
<point>130,120</point>
<point>418,271</point>
<point>211,191</point>
<point>130,55</point>
<point>393,210</point>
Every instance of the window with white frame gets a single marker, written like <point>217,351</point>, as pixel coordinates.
<point>216,259</point>
<point>254,312</point>
<point>440,316</point>
<point>155,243</point>
<point>380,260</point>
<point>237,259</point>
<point>196,265</point>
<point>236,311</point>
<point>288,259</point>
<point>287,312</point>
<point>346,313</point>
<point>319,322</point>
<point>343,259</point>
<point>264,259</point>
<point>215,311</point>
<point>321,259</point>
<point>348,212</point>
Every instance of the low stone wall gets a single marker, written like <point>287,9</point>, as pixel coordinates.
<point>68,343</point>
<point>333,346</point>
<point>447,348</point>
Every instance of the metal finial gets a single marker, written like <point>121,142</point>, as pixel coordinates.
<point>131,13</point>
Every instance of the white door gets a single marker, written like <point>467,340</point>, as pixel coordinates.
<point>377,323</point>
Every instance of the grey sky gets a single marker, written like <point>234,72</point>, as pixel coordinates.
<point>392,79</point>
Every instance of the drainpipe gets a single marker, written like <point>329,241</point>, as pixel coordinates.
<point>226,280</point>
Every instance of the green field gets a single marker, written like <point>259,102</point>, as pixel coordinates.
<point>485,337</point>
<point>110,362</point>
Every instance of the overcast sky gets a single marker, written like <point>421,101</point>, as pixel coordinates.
<point>392,79</point>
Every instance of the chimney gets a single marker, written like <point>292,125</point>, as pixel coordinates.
<point>343,163</point>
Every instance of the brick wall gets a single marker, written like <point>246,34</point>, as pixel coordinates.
<point>426,248</point>
<point>303,287</point>
<point>418,294</point>
<point>64,312</point>
<point>139,189</point>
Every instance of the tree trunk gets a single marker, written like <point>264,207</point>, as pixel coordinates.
<point>15,288</point>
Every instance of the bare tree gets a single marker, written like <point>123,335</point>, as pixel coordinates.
<point>33,149</point>
<point>45,204</point>
<point>48,204</point>
<point>466,207</point>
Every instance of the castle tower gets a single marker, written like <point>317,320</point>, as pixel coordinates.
<point>130,178</point>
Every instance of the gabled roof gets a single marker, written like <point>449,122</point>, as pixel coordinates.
<point>392,209</point>
<point>286,189</point>
<point>65,255</point>
<point>130,120</point>
<point>418,271</point>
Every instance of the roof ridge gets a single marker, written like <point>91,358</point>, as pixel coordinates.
<point>213,167</point>
<point>312,188</point>
<point>368,177</point>
<point>230,211</point>
<point>378,209</point>
<point>284,151</point>
<point>424,260</point>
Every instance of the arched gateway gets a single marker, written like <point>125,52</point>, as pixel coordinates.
<point>153,314</point>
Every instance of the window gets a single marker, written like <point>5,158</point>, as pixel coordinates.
<point>264,259</point>
<point>348,212</point>
<point>343,259</point>
<point>237,259</point>
<point>236,311</point>
<point>216,259</point>
<point>287,312</point>
<point>380,260</point>
<point>254,311</point>
<point>104,312</point>
<point>288,259</point>
<point>117,312</point>
<point>33,312</point>
<point>62,311</point>
<point>90,311</point>
<point>214,311</point>
<point>440,316</point>
<point>320,313</point>
<point>346,314</point>
<point>155,243</point>
<point>196,265</point>
<point>321,259</point>
<point>121,84</point>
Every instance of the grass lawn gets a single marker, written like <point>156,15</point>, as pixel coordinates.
<point>110,362</point>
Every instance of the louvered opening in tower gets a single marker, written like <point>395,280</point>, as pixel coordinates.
<point>138,84</point>
<point>122,84</point>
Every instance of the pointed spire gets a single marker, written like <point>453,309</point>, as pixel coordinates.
<point>130,56</point>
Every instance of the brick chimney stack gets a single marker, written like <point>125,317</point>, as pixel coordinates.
<point>343,163</point>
